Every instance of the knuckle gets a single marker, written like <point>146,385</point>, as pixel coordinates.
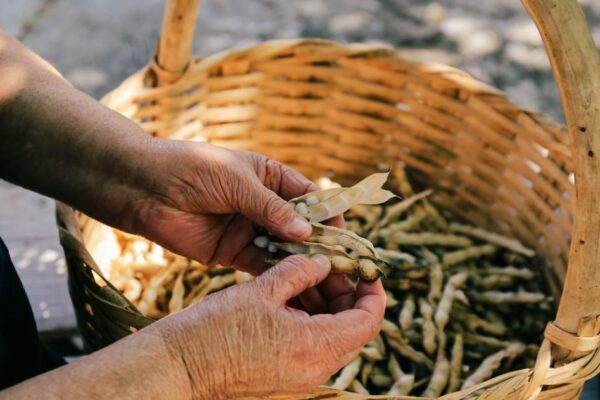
<point>273,174</point>
<point>295,262</point>
<point>265,285</point>
<point>276,210</point>
<point>297,271</point>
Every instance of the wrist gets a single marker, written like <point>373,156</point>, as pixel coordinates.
<point>125,181</point>
<point>191,353</point>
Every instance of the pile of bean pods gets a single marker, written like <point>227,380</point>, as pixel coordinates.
<point>159,282</point>
<point>463,303</point>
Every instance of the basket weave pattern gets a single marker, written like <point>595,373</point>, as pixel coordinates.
<point>324,107</point>
<point>349,110</point>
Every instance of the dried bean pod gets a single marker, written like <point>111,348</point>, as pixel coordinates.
<point>436,277</point>
<point>216,283</point>
<point>402,386</point>
<point>405,284</point>
<point>356,226</point>
<point>429,343</point>
<point>394,367</point>
<point>401,181</point>
<point>403,383</point>
<point>397,209</point>
<point>496,297</point>
<point>344,237</point>
<point>369,270</point>
<point>408,224</point>
<point>357,387</point>
<point>347,374</point>
<point>367,191</point>
<point>370,214</point>
<point>456,364</point>
<point>320,195</point>
<point>474,339</point>
<point>176,301</point>
<point>397,342</point>
<point>491,363</point>
<point>396,258</point>
<point>460,296</point>
<point>521,273</point>
<point>428,239</point>
<point>365,371</point>
<point>195,290</point>
<point>442,314</point>
<point>435,216</point>
<point>429,256</point>
<point>378,343</point>
<point>459,256</point>
<point>311,248</point>
<point>390,300</point>
<point>241,277</point>
<point>493,238</point>
<point>407,313</point>
<point>147,302</point>
<point>496,281</point>
<point>474,323</point>
<point>380,379</point>
<point>439,377</point>
<point>371,354</point>
<point>341,263</point>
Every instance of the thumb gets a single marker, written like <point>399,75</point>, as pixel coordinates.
<point>292,276</point>
<point>265,208</point>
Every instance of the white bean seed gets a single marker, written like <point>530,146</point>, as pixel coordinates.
<point>312,200</point>
<point>302,208</point>
<point>261,242</point>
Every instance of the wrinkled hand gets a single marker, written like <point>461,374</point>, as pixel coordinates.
<point>205,203</point>
<point>245,341</point>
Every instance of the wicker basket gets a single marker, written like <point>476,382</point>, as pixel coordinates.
<point>330,108</point>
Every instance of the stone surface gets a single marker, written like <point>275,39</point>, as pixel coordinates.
<point>14,15</point>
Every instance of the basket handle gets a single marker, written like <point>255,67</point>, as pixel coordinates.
<point>174,49</point>
<point>576,67</point>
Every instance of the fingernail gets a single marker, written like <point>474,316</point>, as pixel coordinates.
<point>299,227</point>
<point>321,260</point>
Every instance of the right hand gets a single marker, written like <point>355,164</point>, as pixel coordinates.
<point>245,340</point>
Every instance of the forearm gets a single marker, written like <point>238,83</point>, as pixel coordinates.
<point>62,143</point>
<point>137,367</point>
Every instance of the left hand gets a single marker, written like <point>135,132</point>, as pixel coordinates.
<point>205,203</point>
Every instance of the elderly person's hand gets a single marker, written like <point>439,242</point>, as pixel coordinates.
<point>200,201</point>
<point>205,202</point>
<point>245,341</point>
<point>242,341</point>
